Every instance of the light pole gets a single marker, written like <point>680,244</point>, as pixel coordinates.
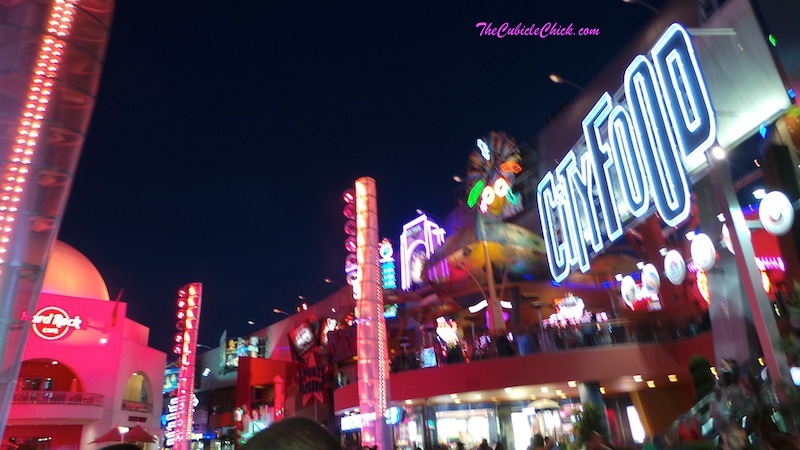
<point>558,80</point>
<point>280,311</point>
<point>643,3</point>
<point>329,281</point>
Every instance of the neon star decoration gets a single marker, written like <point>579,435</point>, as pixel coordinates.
<point>491,172</point>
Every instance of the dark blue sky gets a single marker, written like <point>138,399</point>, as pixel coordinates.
<point>224,135</point>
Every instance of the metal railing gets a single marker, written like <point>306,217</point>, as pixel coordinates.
<point>130,405</point>
<point>533,340</point>
<point>57,398</point>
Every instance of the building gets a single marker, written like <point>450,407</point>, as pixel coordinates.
<point>456,378</point>
<point>86,368</point>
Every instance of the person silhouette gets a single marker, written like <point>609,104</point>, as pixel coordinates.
<point>295,433</point>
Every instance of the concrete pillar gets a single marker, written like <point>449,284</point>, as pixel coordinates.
<point>747,307</point>
<point>731,320</point>
<point>505,429</point>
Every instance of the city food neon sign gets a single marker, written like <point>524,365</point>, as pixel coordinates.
<point>636,157</point>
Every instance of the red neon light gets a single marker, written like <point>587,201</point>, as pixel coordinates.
<point>190,298</point>
<point>280,398</point>
<point>39,91</point>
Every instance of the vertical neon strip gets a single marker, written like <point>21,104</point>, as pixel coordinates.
<point>373,367</point>
<point>628,161</point>
<point>38,95</point>
<point>184,421</point>
<point>557,251</point>
<point>685,94</point>
<point>601,159</point>
<point>662,162</point>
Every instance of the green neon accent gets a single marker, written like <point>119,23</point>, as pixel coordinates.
<point>773,41</point>
<point>474,193</point>
<point>511,197</point>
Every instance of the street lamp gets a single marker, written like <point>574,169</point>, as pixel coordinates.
<point>280,311</point>
<point>643,3</point>
<point>329,281</point>
<point>122,431</point>
<point>559,80</point>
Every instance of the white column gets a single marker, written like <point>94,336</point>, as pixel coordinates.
<point>373,356</point>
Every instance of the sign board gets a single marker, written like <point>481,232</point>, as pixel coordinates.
<point>636,155</point>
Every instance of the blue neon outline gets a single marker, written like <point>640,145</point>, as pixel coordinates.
<point>587,178</point>
<point>630,161</point>
<point>570,227</point>
<point>597,148</point>
<point>697,155</point>
<point>672,201</point>
<point>579,202</point>
<point>556,259</point>
<point>692,124</point>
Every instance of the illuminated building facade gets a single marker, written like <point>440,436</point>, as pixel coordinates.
<point>577,340</point>
<point>86,368</point>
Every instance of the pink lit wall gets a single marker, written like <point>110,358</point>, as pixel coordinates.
<point>100,368</point>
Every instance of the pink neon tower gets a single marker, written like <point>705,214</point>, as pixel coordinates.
<point>190,298</point>
<point>373,356</point>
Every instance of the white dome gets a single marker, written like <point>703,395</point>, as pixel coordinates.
<point>69,273</point>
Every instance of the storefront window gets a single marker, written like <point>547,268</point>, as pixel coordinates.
<point>466,426</point>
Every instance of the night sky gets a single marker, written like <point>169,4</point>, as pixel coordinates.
<point>223,137</point>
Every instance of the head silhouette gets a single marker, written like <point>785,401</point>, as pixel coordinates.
<point>295,433</point>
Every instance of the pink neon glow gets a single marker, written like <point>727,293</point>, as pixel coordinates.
<point>38,96</point>
<point>190,296</point>
<point>373,364</point>
<point>762,262</point>
<point>419,233</point>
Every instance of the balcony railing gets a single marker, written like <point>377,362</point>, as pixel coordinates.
<point>533,340</point>
<point>57,398</point>
<point>130,405</point>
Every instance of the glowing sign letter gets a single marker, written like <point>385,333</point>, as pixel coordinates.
<point>585,224</point>
<point>685,94</point>
<point>628,161</point>
<point>484,150</point>
<point>601,158</point>
<point>665,170</point>
<point>557,252</point>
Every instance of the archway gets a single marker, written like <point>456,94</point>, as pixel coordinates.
<point>138,393</point>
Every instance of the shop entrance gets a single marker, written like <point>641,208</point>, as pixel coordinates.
<point>466,426</point>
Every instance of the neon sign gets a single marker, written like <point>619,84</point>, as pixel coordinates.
<point>636,156</point>
<point>388,274</point>
<point>392,416</point>
<point>491,173</point>
<point>420,238</point>
<point>52,323</point>
<point>190,298</point>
